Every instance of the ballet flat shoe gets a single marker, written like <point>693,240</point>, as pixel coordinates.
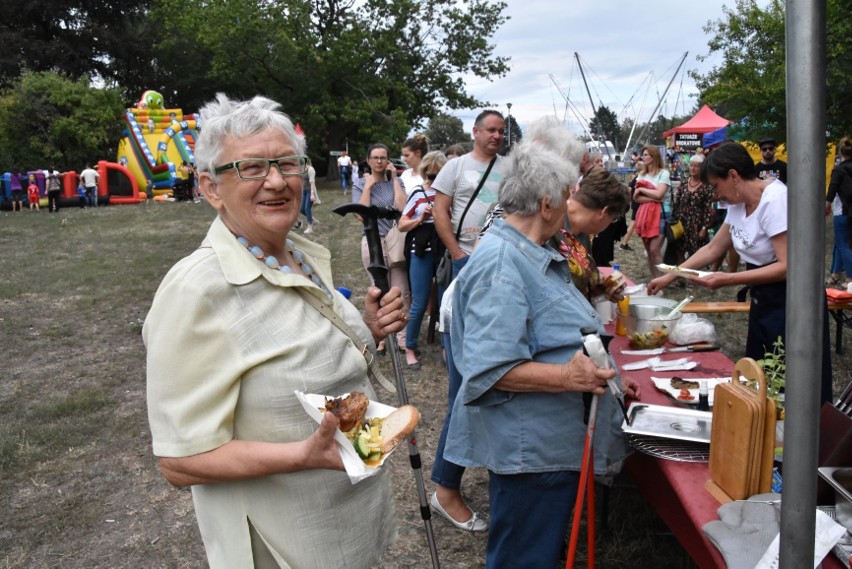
<point>474,524</point>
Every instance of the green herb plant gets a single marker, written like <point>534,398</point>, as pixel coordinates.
<point>774,365</point>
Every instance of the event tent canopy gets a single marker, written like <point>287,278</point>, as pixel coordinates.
<point>704,120</point>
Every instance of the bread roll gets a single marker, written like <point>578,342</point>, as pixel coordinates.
<point>397,426</point>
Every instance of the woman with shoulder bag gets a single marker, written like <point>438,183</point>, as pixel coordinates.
<point>422,247</point>
<point>652,189</point>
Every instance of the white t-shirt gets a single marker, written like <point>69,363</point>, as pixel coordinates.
<point>458,179</point>
<point>410,180</point>
<point>344,161</point>
<point>89,177</point>
<point>751,235</point>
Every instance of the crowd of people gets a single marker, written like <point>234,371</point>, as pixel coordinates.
<point>258,303</point>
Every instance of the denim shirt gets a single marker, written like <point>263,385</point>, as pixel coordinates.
<point>514,302</point>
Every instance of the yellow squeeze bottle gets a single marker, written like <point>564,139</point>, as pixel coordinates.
<point>623,306</point>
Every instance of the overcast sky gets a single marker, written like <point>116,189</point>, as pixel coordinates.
<point>624,47</point>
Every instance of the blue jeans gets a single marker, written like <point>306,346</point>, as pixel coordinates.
<point>841,259</point>
<point>307,205</point>
<point>446,473</point>
<point>345,174</point>
<point>529,517</point>
<point>420,271</point>
<point>459,264</point>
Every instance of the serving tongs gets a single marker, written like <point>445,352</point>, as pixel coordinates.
<point>677,308</point>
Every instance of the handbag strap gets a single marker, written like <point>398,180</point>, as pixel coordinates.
<point>372,365</point>
<point>475,193</point>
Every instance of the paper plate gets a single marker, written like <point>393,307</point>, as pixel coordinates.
<point>689,273</point>
<point>664,384</point>
<point>355,467</point>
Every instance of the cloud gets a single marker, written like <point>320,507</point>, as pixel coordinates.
<point>629,52</point>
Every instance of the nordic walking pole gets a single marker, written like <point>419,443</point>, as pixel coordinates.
<point>370,216</point>
<point>596,348</point>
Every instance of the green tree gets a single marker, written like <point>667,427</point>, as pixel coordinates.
<point>605,121</point>
<point>348,73</point>
<point>514,134</point>
<point>750,83</point>
<point>445,130</point>
<point>76,37</point>
<point>47,119</point>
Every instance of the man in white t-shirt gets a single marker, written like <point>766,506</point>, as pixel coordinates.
<point>344,164</point>
<point>457,182</point>
<point>89,180</point>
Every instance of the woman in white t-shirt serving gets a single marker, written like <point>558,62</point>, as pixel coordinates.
<point>756,226</point>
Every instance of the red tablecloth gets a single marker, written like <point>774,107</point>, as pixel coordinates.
<point>676,489</point>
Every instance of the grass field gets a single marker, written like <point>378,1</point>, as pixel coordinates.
<point>79,487</point>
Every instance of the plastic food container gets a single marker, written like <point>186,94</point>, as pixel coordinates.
<point>645,325</point>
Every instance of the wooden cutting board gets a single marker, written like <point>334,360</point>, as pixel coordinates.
<point>738,434</point>
<point>768,455</point>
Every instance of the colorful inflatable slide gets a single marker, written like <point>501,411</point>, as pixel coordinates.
<point>155,141</point>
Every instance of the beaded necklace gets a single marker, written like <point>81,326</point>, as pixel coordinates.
<point>271,262</point>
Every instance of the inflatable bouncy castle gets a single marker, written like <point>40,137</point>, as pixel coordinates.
<point>156,141</point>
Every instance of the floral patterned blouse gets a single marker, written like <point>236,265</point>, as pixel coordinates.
<point>694,207</point>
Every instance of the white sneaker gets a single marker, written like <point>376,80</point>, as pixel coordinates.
<point>310,229</point>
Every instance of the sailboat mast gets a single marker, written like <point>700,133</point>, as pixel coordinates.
<point>592,101</point>
<point>662,98</point>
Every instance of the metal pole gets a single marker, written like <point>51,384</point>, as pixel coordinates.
<point>662,98</point>
<point>805,43</point>
<point>509,126</point>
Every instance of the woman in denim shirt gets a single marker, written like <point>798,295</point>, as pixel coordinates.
<point>516,340</point>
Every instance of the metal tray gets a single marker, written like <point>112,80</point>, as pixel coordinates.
<point>668,422</point>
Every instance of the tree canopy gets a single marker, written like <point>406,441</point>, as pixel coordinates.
<point>750,83</point>
<point>445,130</point>
<point>350,73</point>
<point>606,122</point>
<point>49,120</point>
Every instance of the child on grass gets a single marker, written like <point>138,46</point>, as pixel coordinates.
<point>32,195</point>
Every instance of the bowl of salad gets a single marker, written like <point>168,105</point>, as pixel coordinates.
<point>647,326</point>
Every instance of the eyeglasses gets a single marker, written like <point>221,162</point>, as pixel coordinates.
<point>768,149</point>
<point>379,158</point>
<point>258,168</point>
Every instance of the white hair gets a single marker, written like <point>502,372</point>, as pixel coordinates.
<point>225,117</point>
<point>544,164</point>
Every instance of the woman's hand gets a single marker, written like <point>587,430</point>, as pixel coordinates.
<point>320,449</point>
<point>631,388</point>
<point>659,283</point>
<point>427,213</point>
<point>581,374</point>
<point>385,316</point>
<point>714,280</point>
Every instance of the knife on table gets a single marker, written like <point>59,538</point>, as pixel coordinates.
<point>700,347</point>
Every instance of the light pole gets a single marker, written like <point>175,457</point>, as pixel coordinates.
<point>509,126</point>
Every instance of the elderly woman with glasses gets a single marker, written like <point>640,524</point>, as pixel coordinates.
<point>517,340</point>
<point>255,302</point>
<point>383,188</point>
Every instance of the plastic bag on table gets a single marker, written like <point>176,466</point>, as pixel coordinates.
<point>691,329</point>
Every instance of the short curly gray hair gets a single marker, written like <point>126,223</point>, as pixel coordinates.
<point>225,117</point>
<point>544,164</point>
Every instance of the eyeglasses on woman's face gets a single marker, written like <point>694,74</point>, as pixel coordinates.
<point>258,168</point>
<point>379,158</point>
